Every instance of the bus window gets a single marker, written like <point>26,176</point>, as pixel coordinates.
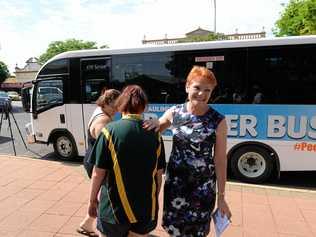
<point>48,94</point>
<point>154,72</point>
<point>228,65</point>
<point>95,73</point>
<point>93,89</point>
<point>282,73</point>
<point>56,67</point>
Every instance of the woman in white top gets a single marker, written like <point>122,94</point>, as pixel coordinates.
<point>102,115</point>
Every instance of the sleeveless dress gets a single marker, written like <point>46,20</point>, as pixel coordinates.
<point>190,185</point>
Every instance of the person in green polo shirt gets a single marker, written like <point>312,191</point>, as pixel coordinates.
<point>128,167</point>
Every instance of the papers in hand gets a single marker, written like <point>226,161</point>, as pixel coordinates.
<point>220,222</point>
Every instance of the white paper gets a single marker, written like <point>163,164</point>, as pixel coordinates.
<point>220,222</point>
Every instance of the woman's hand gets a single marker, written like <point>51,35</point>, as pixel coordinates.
<point>92,208</point>
<point>151,124</point>
<point>223,207</point>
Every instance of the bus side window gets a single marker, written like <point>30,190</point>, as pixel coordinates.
<point>49,93</point>
<point>153,71</point>
<point>93,89</point>
<point>95,76</point>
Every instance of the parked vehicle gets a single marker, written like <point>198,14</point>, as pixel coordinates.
<point>266,90</point>
<point>14,95</point>
<point>5,101</point>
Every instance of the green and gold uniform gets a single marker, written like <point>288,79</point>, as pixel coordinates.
<point>131,157</point>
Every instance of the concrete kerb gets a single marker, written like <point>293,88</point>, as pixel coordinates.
<point>15,157</point>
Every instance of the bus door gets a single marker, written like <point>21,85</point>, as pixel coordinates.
<point>95,76</point>
<point>47,102</point>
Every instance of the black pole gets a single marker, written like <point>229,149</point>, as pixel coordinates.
<point>8,117</point>
<point>1,120</point>
<point>17,126</point>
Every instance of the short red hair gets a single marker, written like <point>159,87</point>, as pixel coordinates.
<point>201,72</point>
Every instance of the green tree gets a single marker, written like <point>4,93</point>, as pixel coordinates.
<point>4,72</point>
<point>58,47</point>
<point>208,37</point>
<point>297,18</point>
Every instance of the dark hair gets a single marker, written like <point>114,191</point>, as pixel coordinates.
<point>132,100</point>
<point>107,97</point>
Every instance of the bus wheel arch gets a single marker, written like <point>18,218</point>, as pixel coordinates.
<point>253,162</point>
<point>64,144</point>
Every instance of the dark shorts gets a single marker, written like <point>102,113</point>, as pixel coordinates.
<point>121,230</point>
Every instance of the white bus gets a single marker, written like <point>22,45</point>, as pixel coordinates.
<point>267,90</point>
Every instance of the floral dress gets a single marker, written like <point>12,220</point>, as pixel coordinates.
<point>190,185</point>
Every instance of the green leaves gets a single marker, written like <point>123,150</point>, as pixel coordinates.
<point>58,47</point>
<point>4,72</point>
<point>298,18</point>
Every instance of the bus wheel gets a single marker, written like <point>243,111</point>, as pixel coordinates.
<point>252,164</point>
<point>65,147</point>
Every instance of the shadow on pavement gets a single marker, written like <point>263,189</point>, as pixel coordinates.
<point>4,139</point>
<point>52,157</point>
<point>297,179</point>
<point>294,179</point>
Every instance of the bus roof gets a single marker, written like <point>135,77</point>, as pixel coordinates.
<point>191,46</point>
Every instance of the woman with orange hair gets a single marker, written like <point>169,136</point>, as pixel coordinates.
<point>193,171</point>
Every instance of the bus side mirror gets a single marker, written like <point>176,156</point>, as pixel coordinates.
<point>26,98</point>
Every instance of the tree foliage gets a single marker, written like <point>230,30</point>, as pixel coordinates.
<point>208,37</point>
<point>4,72</point>
<point>298,18</point>
<point>58,47</point>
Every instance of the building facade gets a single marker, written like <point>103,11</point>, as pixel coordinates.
<point>202,32</point>
<point>28,73</point>
<point>22,75</point>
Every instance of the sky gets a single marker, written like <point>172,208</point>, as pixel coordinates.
<point>27,27</point>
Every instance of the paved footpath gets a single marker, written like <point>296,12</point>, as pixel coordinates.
<point>41,198</point>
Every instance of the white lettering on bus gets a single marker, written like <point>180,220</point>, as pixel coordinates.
<point>311,133</point>
<point>247,125</point>
<point>232,124</point>
<point>95,67</point>
<point>154,108</point>
<point>279,126</point>
<point>302,127</point>
<point>276,126</point>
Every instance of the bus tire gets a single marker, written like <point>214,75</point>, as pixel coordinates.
<point>64,146</point>
<point>252,164</point>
